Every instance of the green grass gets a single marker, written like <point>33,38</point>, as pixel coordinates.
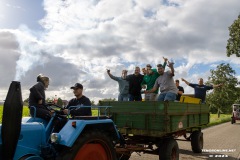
<point>214,120</point>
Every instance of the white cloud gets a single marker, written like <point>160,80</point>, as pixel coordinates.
<point>83,38</point>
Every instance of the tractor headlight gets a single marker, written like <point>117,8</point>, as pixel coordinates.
<point>55,137</point>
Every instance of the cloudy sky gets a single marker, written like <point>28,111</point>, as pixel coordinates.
<point>76,41</point>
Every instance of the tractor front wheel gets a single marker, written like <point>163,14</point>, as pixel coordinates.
<point>91,146</point>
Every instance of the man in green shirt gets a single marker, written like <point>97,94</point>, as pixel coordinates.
<point>149,81</point>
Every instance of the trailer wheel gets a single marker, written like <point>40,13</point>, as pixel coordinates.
<point>168,150</point>
<point>187,136</point>
<point>91,146</point>
<point>123,156</point>
<point>197,141</point>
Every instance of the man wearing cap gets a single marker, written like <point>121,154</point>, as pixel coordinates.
<point>149,80</point>
<point>123,85</point>
<point>166,83</point>
<point>80,100</point>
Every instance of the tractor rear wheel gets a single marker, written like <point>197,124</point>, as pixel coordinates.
<point>91,146</point>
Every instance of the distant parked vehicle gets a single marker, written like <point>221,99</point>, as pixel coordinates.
<point>235,113</point>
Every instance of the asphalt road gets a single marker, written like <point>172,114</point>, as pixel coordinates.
<point>221,142</point>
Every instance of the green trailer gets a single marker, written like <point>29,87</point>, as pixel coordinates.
<point>153,127</point>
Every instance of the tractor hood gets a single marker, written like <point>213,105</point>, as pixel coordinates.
<point>31,138</point>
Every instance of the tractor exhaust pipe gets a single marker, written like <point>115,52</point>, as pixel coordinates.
<point>11,120</point>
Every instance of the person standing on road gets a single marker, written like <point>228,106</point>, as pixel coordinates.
<point>180,90</point>
<point>123,85</point>
<point>200,89</point>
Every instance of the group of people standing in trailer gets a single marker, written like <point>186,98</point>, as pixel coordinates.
<point>131,87</point>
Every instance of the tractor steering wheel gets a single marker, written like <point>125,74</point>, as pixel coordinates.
<point>54,107</point>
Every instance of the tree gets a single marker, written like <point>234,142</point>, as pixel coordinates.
<point>238,96</point>
<point>233,45</point>
<point>59,102</point>
<point>109,99</point>
<point>93,103</point>
<point>48,100</point>
<point>25,102</point>
<point>222,98</point>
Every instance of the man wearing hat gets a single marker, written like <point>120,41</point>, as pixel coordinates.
<point>80,100</point>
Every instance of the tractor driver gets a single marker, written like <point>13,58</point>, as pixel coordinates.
<point>79,100</point>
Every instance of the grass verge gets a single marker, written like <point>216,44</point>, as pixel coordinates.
<point>214,120</point>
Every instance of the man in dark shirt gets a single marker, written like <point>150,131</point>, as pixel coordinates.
<point>180,90</point>
<point>135,87</point>
<point>200,89</point>
<point>80,100</point>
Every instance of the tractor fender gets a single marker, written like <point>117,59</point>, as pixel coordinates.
<point>74,128</point>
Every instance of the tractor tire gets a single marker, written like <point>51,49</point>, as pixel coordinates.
<point>197,141</point>
<point>92,145</point>
<point>169,150</point>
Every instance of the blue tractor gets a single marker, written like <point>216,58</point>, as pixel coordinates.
<point>32,138</point>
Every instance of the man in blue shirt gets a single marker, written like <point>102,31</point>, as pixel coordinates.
<point>200,89</point>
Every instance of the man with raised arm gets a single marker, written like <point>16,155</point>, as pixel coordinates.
<point>166,83</point>
<point>149,80</point>
<point>123,85</point>
<point>200,89</point>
